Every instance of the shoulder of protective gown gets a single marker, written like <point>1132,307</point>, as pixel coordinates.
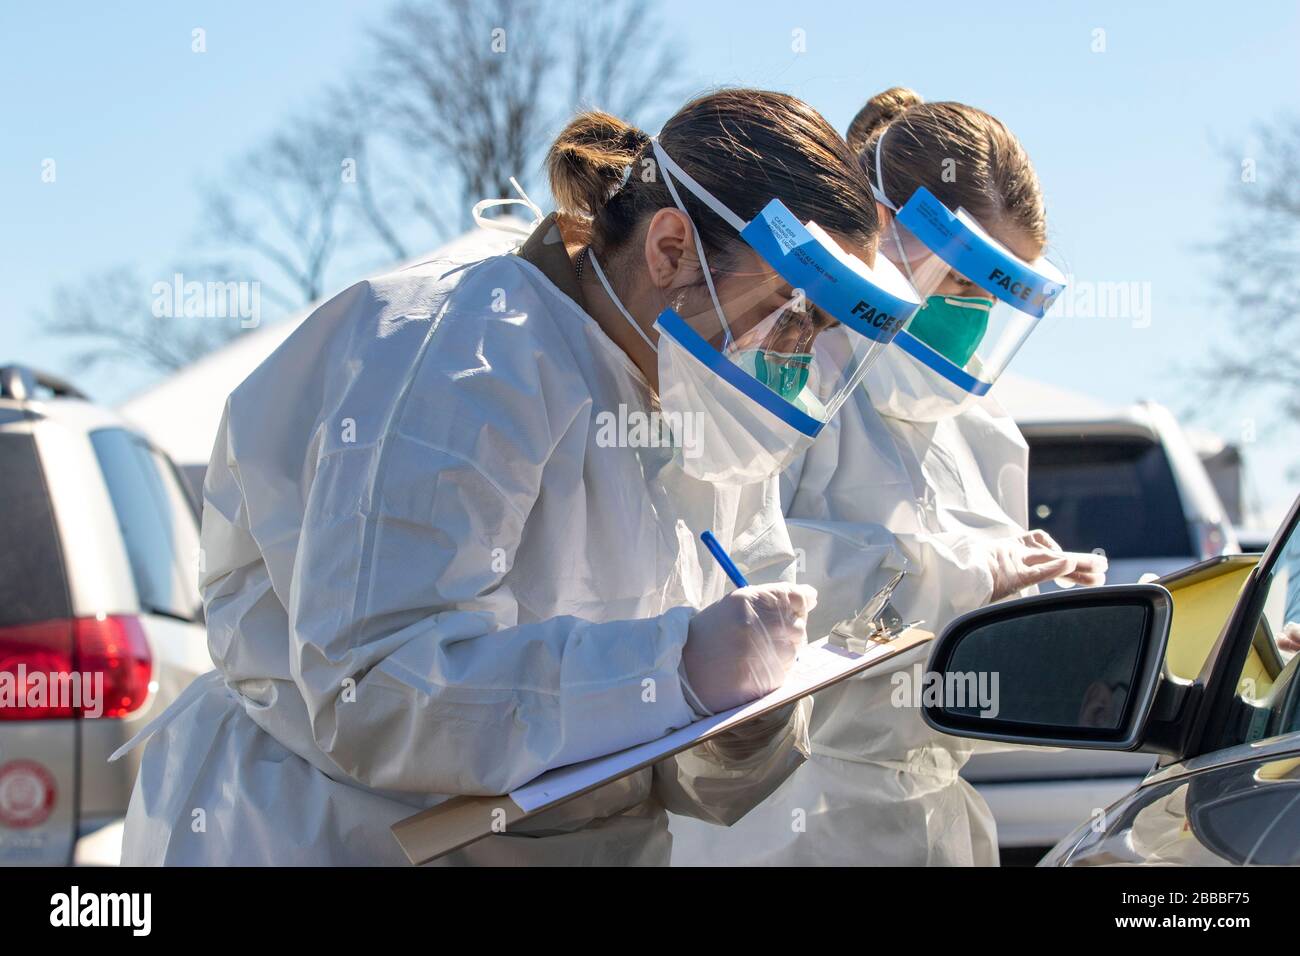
<point>504,353</point>
<point>475,358</point>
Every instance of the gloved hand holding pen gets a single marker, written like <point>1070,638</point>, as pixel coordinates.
<point>742,646</point>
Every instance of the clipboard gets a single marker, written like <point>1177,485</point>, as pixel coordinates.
<point>459,821</point>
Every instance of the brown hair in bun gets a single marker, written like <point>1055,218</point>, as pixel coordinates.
<point>744,146</point>
<point>964,156</point>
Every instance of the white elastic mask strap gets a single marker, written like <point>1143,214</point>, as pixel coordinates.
<point>902,251</point>
<point>600,274</point>
<point>878,188</point>
<point>702,194</point>
<point>484,204</point>
<point>671,169</point>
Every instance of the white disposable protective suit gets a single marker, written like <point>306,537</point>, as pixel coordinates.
<point>874,495</point>
<point>434,564</point>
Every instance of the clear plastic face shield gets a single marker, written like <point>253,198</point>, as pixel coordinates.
<point>752,371</point>
<point>795,326</point>
<point>980,301</point>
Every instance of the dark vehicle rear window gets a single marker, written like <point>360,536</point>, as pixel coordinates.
<point>32,583</point>
<point>1116,494</point>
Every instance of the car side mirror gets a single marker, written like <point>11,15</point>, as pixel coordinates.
<point>1076,668</point>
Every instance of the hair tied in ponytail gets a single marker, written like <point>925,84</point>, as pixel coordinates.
<point>627,174</point>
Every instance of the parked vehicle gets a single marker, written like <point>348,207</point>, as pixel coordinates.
<point>1197,669</point>
<point>1252,540</point>
<point>100,618</point>
<point>1132,485</point>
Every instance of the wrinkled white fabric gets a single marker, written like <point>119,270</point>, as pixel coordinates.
<point>428,571</point>
<point>873,496</point>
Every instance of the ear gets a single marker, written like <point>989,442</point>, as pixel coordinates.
<point>883,214</point>
<point>670,249</point>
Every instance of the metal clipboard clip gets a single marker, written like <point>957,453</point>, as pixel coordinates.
<point>877,623</point>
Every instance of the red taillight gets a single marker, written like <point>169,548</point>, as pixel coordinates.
<point>29,654</point>
<point>116,647</point>
<point>83,667</point>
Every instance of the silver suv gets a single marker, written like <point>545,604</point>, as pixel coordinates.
<point>100,618</point>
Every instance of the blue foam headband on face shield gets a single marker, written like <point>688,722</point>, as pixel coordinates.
<point>803,260</point>
<point>977,256</point>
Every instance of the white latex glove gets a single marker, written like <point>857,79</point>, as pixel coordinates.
<point>742,646</point>
<point>1033,558</point>
<point>1289,639</point>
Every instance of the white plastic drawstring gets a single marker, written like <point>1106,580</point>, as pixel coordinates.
<point>183,699</point>
<point>600,274</point>
<point>507,226</point>
<point>902,253</point>
<point>671,169</point>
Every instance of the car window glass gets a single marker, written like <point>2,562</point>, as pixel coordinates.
<point>180,506</point>
<point>32,582</point>
<point>1282,607</point>
<point>1267,695</point>
<point>156,522</point>
<point>1115,494</point>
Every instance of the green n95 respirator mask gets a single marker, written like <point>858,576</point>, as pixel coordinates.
<point>952,325</point>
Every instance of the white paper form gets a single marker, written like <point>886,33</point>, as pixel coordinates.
<point>816,664</point>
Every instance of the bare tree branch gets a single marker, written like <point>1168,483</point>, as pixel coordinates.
<point>520,69</point>
<point>1258,269</point>
<point>466,94</point>
<point>283,201</point>
<point>125,317</point>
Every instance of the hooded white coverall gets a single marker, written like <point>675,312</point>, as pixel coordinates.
<point>432,567</point>
<point>878,493</point>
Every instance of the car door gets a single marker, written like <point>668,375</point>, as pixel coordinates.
<point>159,534</point>
<point>161,537</point>
<point>1235,798</point>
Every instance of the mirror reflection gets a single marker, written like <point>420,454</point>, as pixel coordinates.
<point>1059,666</point>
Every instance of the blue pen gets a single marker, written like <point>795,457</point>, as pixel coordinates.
<point>724,559</point>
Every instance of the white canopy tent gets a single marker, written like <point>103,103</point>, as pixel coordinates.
<point>1027,400</point>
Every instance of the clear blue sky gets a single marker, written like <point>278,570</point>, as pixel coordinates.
<point>1124,142</point>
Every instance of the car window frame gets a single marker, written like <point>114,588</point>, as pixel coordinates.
<point>1228,656</point>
